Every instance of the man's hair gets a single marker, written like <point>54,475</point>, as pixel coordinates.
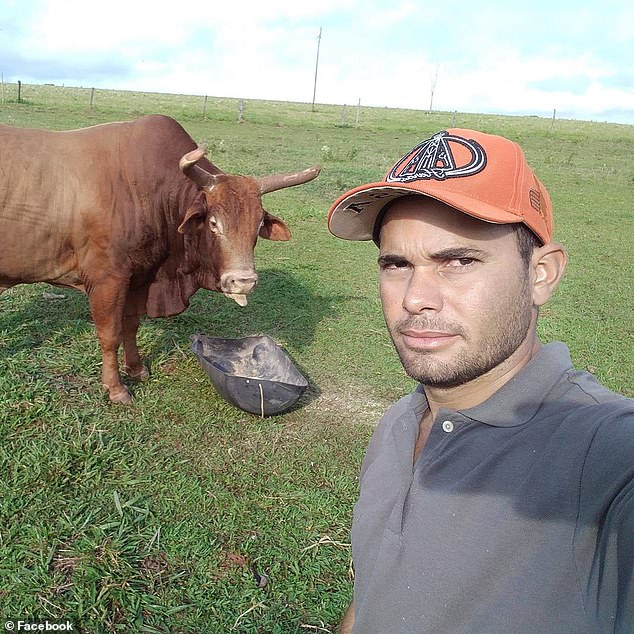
<point>527,242</point>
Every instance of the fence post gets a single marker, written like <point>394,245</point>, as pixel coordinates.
<point>19,91</point>
<point>552,123</point>
<point>240,110</point>
<point>343,115</point>
<point>205,108</point>
<point>92,97</point>
<point>356,122</point>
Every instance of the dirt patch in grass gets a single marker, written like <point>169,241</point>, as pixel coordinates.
<point>349,402</point>
<point>154,565</point>
<point>64,564</point>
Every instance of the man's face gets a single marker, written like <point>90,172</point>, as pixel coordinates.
<point>456,295</point>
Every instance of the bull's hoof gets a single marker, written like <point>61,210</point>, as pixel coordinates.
<point>138,374</point>
<point>120,395</point>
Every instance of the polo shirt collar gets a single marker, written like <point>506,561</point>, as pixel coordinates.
<point>518,400</point>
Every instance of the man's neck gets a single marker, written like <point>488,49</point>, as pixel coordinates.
<point>483,387</point>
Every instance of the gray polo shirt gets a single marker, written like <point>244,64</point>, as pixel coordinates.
<point>518,516</point>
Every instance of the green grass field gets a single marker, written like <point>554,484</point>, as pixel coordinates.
<point>183,514</point>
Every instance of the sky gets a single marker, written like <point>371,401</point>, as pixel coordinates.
<point>572,59</point>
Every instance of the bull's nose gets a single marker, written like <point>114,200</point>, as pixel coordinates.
<point>238,281</point>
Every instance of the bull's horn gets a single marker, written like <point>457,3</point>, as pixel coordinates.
<point>280,181</point>
<point>193,171</point>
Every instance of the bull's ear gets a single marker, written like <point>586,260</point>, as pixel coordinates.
<point>194,218</point>
<point>273,228</point>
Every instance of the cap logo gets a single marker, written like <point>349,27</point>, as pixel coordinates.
<point>441,157</point>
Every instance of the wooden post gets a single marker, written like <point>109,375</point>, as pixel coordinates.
<point>316,68</point>
<point>19,91</point>
<point>240,110</point>
<point>343,115</point>
<point>205,108</point>
<point>552,123</point>
<point>356,122</point>
<point>433,90</point>
<point>92,97</point>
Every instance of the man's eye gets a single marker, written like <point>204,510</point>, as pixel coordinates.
<point>393,265</point>
<point>461,262</point>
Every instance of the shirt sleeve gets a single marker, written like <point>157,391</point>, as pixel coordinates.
<point>607,502</point>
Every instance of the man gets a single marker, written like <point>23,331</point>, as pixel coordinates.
<point>498,497</point>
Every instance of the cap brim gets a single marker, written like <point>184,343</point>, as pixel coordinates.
<point>353,215</point>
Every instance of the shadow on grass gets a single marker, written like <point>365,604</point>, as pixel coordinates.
<point>282,306</point>
<point>38,314</point>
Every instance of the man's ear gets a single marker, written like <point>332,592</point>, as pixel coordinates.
<point>549,263</point>
<point>194,218</point>
<point>274,228</point>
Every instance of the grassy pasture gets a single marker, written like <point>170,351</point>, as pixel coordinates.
<point>181,513</point>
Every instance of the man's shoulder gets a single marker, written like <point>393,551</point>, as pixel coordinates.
<point>579,397</point>
<point>602,423</point>
<point>587,390</point>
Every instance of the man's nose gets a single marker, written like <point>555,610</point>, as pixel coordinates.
<point>424,291</point>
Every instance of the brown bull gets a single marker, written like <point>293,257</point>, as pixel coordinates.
<point>133,215</point>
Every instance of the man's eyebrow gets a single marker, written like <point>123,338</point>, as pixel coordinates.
<point>389,258</point>
<point>450,253</point>
<point>458,253</point>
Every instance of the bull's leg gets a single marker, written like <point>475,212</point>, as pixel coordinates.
<point>106,302</point>
<point>132,363</point>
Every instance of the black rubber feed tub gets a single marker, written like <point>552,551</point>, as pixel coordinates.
<point>253,373</point>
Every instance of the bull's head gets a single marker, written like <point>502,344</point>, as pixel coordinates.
<point>227,216</point>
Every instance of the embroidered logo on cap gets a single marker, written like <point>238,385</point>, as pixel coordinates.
<point>443,156</point>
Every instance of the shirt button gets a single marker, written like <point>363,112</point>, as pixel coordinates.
<point>447,426</point>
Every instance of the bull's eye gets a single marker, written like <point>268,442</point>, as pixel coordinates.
<point>215,225</point>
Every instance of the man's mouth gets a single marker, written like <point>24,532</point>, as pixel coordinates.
<point>427,339</point>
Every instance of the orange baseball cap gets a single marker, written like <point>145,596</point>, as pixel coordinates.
<point>483,175</point>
